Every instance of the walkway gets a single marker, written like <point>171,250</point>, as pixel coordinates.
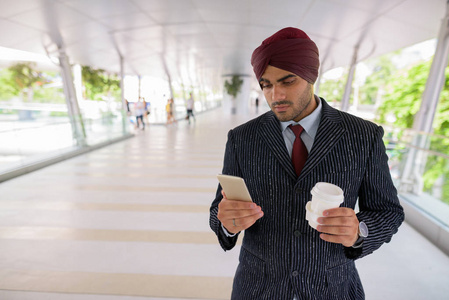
<point>130,222</point>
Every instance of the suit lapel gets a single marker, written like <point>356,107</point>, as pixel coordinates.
<point>270,132</point>
<point>330,131</point>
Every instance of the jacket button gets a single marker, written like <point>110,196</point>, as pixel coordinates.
<point>297,233</point>
<point>295,273</point>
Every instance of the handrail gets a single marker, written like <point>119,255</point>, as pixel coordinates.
<point>421,149</point>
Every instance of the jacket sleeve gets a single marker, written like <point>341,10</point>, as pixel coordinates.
<point>230,167</point>
<point>378,201</point>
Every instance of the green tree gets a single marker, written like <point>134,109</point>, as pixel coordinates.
<point>332,89</point>
<point>25,78</point>
<point>403,95</point>
<point>98,84</point>
<point>402,100</point>
<point>16,81</point>
<point>7,89</point>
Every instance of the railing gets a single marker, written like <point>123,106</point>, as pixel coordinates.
<point>36,139</point>
<point>419,166</point>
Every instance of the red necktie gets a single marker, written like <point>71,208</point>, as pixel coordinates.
<point>299,152</point>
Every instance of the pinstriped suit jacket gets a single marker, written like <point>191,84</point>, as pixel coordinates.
<point>281,255</point>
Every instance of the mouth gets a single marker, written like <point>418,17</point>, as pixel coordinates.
<point>280,106</point>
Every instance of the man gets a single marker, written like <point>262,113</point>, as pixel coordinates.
<point>139,109</point>
<point>282,257</point>
<point>190,108</point>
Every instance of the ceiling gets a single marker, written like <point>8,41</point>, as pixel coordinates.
<point>199,41</point>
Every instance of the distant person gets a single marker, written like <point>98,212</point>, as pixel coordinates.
<point>190,106</point>
<point>147,110</point>
<point>128,111</point>
<point>281,155</point>
<point>139,110</point>
<point>257,104</point>
<point>169,109</point>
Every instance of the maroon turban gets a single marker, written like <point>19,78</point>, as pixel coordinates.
<point>289,49</point>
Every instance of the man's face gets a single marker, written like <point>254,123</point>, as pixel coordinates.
<point>289,96</point>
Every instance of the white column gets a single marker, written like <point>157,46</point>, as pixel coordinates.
<point>122,82</point>
<point>78,81</point>
<point>317,85</point>
<point>435,82</point>
<point>243,98</point>
<point>241,103</point>
<point>167,72</point>
<point>348,87</point>
<point>70,96</point>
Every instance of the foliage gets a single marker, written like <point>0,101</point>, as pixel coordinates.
<point>332,89</point>
<point>402,100</point>
<point>375,84</point>
<point>99,84</point>
<point>400,93</point>
<point>233,87</point>
<point>23,78</point>
<point>24,75</point>
<point>7,89</point>
<point>49,95</point>
<point>403,95</point>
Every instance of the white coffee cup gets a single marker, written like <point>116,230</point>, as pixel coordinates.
<point>324,196</point>
<point>310,216</point>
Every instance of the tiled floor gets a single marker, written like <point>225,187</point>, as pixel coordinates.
<point>130,222</point>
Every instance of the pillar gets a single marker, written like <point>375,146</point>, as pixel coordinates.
<point>76,119</point>
<point>348,87</point>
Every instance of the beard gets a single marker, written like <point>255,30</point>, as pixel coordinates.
<point>297,110</point>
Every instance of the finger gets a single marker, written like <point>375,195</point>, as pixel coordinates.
<point>229,210</point>
<point>338,221</point>
<point>337,230</point>
<point>238,224</point>
<point>339,212</point>
<point>249,219</point>
<point>223,194</point>
<point>227,204</point>
<point>227,215</point>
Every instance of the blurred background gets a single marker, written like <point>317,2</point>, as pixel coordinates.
<point>73,71</point>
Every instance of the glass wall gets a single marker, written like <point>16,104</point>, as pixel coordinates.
<point>35,124</point>
<point>419,166</point>
<point>32,113</point>
<point>388,91</point>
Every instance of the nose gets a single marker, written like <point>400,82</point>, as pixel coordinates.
<point>278,93</point>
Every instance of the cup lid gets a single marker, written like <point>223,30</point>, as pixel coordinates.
<point>327,192</point>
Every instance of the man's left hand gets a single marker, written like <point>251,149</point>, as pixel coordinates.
<point>339,225</point>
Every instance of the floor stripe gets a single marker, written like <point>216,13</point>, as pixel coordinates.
<point>124,188</point>
<point>57,233</point>
<point>194,287</point>
<point>147,165</point>
<point>66,205</point>
<point>140,158</point>
<point>131,175</point>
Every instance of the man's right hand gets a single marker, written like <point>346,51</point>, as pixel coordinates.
<point>238,215</point>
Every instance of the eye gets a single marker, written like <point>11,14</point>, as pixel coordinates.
<point>265,85</point>
<point>288,82</point>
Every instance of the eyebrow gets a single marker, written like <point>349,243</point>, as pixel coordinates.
<point>279,80</point>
